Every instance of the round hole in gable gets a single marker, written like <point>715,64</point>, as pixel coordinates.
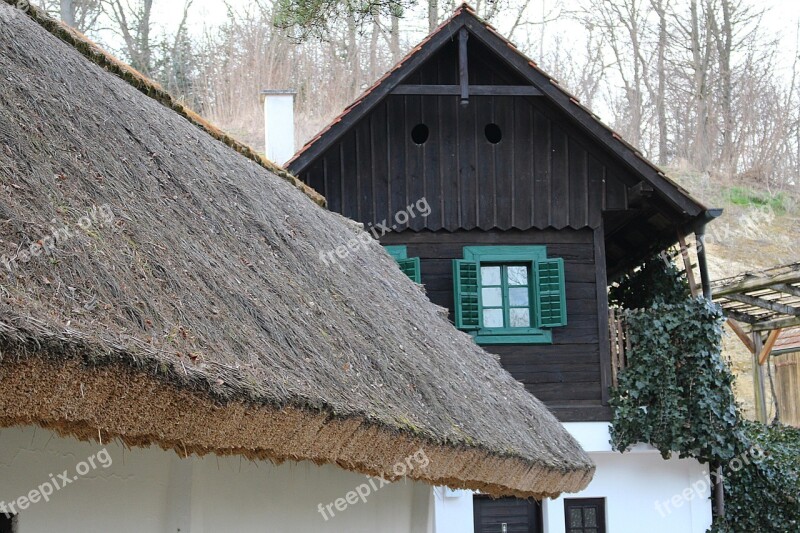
<point>493,133</point>
<point>420,133</point>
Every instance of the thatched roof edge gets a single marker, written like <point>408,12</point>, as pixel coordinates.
<point>82,393</point>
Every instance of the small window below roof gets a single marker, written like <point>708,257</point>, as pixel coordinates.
<point>420,133</point>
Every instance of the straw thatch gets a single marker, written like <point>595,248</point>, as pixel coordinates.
<point>183,301</point>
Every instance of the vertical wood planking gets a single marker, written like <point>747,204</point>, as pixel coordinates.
<point>597,193</point>
<point>381,155</point>
<point>602,312</point>
<point>349,182</point>
<point>504,163</point>
<point>485,157</point>
<point>466,167</point>
<point>560,178</point>
<point>399,137</point>
<point>523,164</point>
<point>578,186</point>
<point>616,190</point>
<point>448,165</point>
<point>541,165</point>
<point>364,172</point>
<point>415,162</point>
<point>333,179</point>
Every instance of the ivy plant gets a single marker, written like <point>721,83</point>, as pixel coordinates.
<point>676,394</point>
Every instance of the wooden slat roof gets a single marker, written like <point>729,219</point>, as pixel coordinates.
<point>762,300</point>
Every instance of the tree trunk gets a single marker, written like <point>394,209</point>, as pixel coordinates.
<point>433,15</point>
<point>394,42</point>
<point>660,7</point>
<point>68,12</point>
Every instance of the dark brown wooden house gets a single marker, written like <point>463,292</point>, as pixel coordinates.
<point>508,200</point>
<point>503,157</point>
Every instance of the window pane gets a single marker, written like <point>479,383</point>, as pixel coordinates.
<point>490,275</point>
<point>517,275</point>
<point>575,519</point>
<point>590,516</point>
<point>493,318</point>
<point>520,318</point>
<point>518,297</point>
<point>492,297</point>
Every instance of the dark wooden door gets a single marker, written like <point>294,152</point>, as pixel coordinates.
<point>507,515</point>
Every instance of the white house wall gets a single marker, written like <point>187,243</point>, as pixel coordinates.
<point>635,486</point>
<point>150,490</point>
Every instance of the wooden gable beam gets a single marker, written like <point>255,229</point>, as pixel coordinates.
<point>477,90</point>
<point>463,65</point>
<point>764,304</point>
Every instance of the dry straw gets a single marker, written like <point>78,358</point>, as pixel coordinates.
<point>201,320</point>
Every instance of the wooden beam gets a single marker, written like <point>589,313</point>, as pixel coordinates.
<point>759,390</point>
<point>765,304</point>
<point>785,287</point>
<point>747,341</point>
<point>768,325</point>
<point>740,317</point>
<point>478,90</point>
<point>687,265</point>
<point>767,349</point>
<point>463,65</point>
<point>754,284</point>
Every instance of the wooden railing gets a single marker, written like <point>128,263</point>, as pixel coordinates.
<point>620,344</point>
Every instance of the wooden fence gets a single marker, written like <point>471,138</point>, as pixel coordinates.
<point>620,344</point>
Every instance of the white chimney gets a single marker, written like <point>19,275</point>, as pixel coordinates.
<point>278,124</point>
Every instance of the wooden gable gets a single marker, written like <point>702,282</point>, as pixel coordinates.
<point>490,142</point>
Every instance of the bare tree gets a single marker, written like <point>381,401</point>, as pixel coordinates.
<point>82,15</point>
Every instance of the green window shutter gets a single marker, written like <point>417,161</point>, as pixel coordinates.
<point>465,289</point>
<point>410,268</point>
<point>397,252</point>
<point>551,301</point>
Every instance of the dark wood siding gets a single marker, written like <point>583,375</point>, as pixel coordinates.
<point>541,174</point>
<point>545,172</point>
<point>568,375</point>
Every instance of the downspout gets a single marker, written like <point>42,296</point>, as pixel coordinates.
<point>705,281</point>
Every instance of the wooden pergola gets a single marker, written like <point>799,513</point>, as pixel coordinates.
<point>759,305</point>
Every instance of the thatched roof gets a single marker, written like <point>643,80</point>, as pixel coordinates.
<point>191,309</point>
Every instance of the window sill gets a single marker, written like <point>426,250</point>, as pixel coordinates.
<point>528,337</point>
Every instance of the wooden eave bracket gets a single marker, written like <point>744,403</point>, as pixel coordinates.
<point>767,349</point>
